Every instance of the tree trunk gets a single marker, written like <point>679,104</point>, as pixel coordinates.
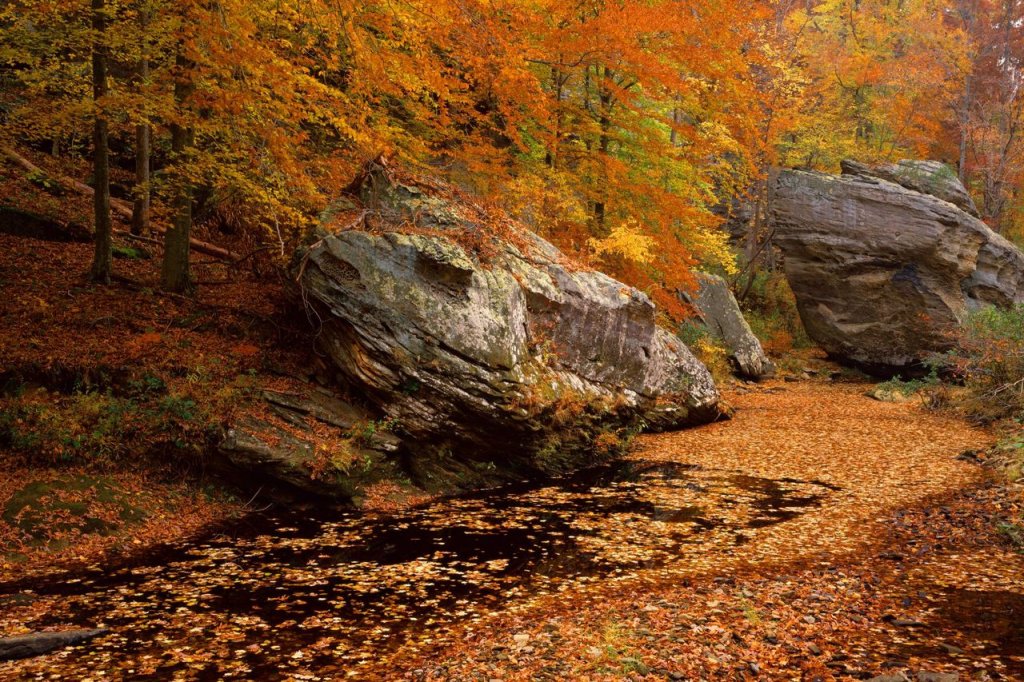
<point>140,207</point>
<point>607,100</point>
<point>103,257</point>
<point>965,121</point>
<point>176,275</point>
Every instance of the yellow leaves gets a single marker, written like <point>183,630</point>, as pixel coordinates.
<point>712,245</point>
<point>882,77</point>
<point>626,240</point>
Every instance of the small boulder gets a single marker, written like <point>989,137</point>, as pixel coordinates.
<point>38,643</point>
<point>923,676</point>
<point>718,310</point>
<point>886,394</point>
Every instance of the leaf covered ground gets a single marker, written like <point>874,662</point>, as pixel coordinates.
<point>818,535</point>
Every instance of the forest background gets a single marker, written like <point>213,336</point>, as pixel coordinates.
<point>625,132</point>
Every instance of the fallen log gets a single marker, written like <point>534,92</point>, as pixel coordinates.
<point>38,643</point>
<point>118,206</point>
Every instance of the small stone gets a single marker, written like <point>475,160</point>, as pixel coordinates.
<point>810,620</point>
<point>891,556</point>
<point>923,676</point>
<point>814,649</point>
<point>907,623</point>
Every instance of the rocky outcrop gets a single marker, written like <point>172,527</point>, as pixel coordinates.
<point>492,353</point>
<point>718,310</point>
<point>927,177</point>
<point>884,274</point>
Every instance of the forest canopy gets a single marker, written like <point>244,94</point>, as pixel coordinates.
<point>622,131</point>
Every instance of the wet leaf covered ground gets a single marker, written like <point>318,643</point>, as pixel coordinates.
<point>714,537</point>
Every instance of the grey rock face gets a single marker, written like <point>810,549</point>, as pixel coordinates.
<point>883,274</point>
<point>515,359</point>
<point>721,314</point>
<point>927,177</point>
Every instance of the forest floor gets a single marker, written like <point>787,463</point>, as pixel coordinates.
<point>902,571</point>
<point>818,535</point>
<point>883,557</point>
<point>101,390</point>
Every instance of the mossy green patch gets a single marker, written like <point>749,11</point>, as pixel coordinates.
<point>46,512</point>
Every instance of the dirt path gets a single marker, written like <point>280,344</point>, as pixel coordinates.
<point>819,534</point>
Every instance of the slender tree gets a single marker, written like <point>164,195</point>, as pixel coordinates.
<point>103,257</point>
<point>143,131</point>
<point>176,272</point>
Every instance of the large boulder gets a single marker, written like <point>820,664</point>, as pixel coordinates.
<point>883,274</point>
<point>491,352</point>
<point>927,177</point>
<point>719,312</point>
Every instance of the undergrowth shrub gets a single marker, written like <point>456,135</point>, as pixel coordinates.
<point>707,348</point>
<point>103,426</point>
<point>770,309</point>
<point>909,387</point>
<point>989,359</point>
<point>1011,447</point>
<point>1009,458</point>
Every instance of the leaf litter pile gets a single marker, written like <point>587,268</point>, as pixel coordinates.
<point>819,534</point>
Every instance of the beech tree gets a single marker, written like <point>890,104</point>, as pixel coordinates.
<point>990,111</point>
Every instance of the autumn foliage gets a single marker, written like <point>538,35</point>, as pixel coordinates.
<point>616,129</point>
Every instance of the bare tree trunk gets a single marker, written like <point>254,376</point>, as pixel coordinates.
<point>140,207</point>
<point>606,99</point>
<point>965,117</point>
<point>176,275</point>
<point>103,258</point>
